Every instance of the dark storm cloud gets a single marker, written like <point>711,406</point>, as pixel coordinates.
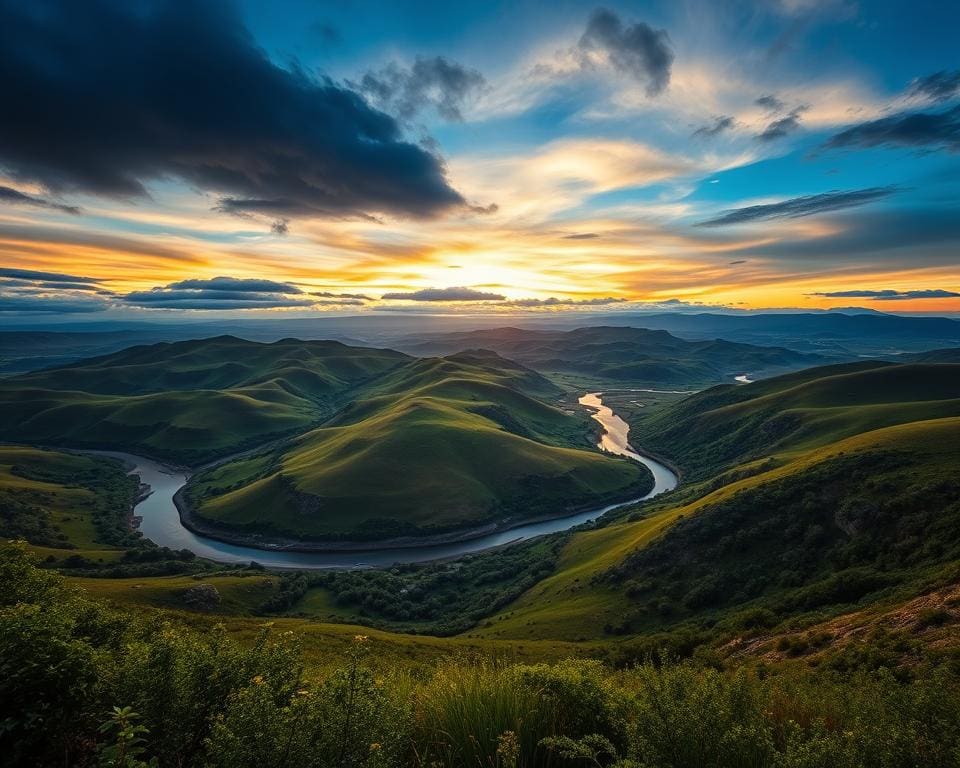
<point>797,207</point>
<point>31,303</point>
<point>770,103</point>
<point>439,83</point>
<point>35,291</point>
<point>47,277</point>
<point>247,285</point>
<point>890,295</point>
<point>106,96</point>
<point>637,50</point>
<point>782,126</point>
<point>444,294</point>
<point>221,293</point>
<point>718,126</point>
<point>920,130</point>
<point>16,197</point>
<point>938,87</point>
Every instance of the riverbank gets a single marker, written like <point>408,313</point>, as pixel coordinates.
<point>281,544</point>
<point>167,522</point>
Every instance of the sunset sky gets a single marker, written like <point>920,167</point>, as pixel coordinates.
<point>304,157</point>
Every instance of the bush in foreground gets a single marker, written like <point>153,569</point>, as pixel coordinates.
<point>84,685</point>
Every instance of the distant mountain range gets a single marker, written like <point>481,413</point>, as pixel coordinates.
<point>837,335</point>
<point>623,354</point>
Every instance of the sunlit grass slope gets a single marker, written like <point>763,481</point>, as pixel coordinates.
<point>439,444</point>
<point>188,401</point>
<point>727,425</point>
<point>860,507</point>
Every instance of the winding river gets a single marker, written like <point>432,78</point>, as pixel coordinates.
<point>160,520</point>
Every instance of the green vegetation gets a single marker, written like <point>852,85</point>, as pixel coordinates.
<point>874,513</point>
<point>817,524</point>
<point>86,684</point>
<point>435,446</point>
<point>437,598</point>
<point>728,425</point>
<point>69,507</point>
<point>161,400</point>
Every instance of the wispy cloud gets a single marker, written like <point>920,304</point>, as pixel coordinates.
<point>797,207</point>
<point>919,130</point>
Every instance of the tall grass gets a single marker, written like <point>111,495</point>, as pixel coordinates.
<point>78,680</point>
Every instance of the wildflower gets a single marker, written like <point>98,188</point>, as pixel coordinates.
<point>360,638</point>
<point>258,680</point>
<point>375,746</point>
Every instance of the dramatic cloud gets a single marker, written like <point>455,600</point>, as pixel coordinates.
<point>46,277</point>
<point>34,291</point>
<point>890,295</point>
<point>782,126</point>
<point>16,197</point>
<point>798,207</point>
<point>45,304</point>
<point>444,294</point>
<point>553,301</point>
<point>582,236</point>
<point>221,293</point>
<point>106,96</point>
<point>439,83</point>
<point>636,50</point>
<point>938,87</point>
<point>906,129</point>
<point>252,285</point>
<point>718,126</point>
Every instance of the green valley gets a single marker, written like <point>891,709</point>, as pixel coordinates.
<point>436,446</point>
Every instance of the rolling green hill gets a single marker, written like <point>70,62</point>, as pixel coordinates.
<point>846,511</point>
<point>623,354</point>
<point>728,425</point>
<point>188,401</point>
<point>434,446</point>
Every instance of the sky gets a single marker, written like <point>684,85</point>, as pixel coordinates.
<point>164,159</point>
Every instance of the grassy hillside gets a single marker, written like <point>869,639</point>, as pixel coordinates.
<point>860,518</point>
<point>436,445</point>
<point>66,506</point>
<point>187,401</point>
<point>623,354</point>
<point>840,509</point>
<point>728,425</point>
